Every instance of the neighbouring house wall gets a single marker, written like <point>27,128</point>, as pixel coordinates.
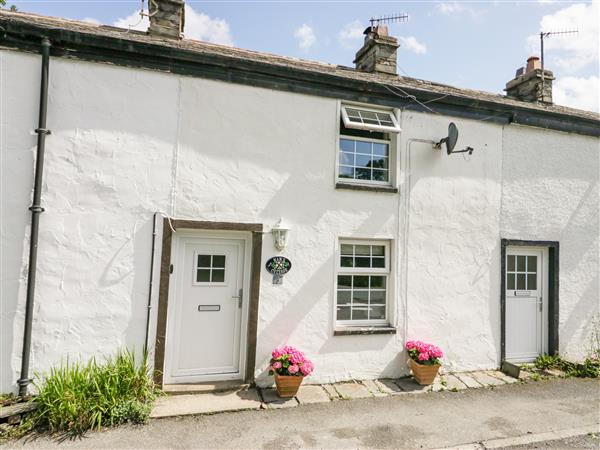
<point>126,143</point>
<point>550,193</point>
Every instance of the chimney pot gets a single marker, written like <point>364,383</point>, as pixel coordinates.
<point>378,53</point>
<point>533,63</point>
<point>531,84</point>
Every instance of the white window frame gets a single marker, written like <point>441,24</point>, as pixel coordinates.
<point>366,271</point>
<point>392,143</point>
<point>370,127</point>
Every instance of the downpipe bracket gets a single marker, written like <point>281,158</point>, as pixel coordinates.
<point>43,131</point>
<point>36,209</point>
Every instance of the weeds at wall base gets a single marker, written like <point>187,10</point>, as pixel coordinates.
<point>74,397</point>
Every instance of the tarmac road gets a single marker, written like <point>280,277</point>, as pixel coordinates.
<point>431,420</point>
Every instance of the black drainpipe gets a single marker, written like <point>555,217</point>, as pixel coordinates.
<point>36,209</point>
<point>151,287</point>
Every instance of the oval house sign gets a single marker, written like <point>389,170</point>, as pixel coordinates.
<point>278,265</point>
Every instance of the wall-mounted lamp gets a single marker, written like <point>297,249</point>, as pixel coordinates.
<point>280,234</point>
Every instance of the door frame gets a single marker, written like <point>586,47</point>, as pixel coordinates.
<point>552,286</point>
<point>256,230</point>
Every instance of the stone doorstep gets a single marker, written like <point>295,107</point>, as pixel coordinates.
<point>206,403</point>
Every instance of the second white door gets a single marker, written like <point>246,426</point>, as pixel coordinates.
<point>525,303</point>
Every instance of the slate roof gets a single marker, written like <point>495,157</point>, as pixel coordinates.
<point>237,54</point>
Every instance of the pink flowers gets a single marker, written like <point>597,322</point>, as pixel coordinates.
<point>288,360</point>
<point>424,353</point>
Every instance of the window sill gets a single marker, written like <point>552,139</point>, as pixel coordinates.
<point>349,331</point>
<point>364,187</point>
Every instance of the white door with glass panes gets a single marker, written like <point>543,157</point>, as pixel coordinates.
<point>526,314</point>
<point>206,305</point>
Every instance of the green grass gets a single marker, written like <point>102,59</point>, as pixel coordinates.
<point>76,397</point>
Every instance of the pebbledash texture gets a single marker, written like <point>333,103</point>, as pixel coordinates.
<point>171,163</point>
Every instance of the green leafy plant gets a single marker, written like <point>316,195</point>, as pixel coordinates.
<point>76,397</point>
<point>590,368</point>
<point>544,362</point>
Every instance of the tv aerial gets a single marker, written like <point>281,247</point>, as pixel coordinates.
<point>376,21</point>
<point>450,141</point>
<point>545,35</point>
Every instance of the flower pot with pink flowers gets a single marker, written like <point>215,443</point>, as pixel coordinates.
<point>424,361</point>
<point>289,366</point>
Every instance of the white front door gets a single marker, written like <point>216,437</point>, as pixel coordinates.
<point>205,319</point>
<point>525,303</point>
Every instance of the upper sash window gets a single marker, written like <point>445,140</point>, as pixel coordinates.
<point>369,119</point>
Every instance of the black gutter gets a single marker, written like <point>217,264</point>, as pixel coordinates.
<point>36,209</point>
<point>129,52</point>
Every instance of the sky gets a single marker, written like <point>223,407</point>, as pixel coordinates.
<point>469,44</point>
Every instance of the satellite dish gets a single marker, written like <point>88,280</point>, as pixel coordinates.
<point>449,140</point>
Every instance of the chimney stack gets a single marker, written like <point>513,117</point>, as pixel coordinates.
<point>166,18</point>
<point>378,54</point>
<point>531,84</point>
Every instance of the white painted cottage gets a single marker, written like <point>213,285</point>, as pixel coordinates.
<point>169,163</point>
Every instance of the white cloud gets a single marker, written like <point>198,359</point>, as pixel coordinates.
<point>91,20</point>
<point>306,37</point>
<point>577,92</point>
<point>570,52</point>
<point>133,21</point>
<point>198,26</point>
<point>456,9</point>
<point>351,35</point>
<point>411,43</point>
<point>203,28</point>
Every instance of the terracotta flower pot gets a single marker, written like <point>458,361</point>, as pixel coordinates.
<point>424,374</point>
<point>287,385</point>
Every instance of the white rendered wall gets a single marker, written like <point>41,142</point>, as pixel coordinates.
<point>550,193</point>
<point>126,143</point>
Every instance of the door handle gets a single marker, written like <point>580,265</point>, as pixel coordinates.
<point>239,297</point>
<point>540,304</point>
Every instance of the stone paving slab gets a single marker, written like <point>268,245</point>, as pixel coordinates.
<point>502,376</point>
<point>330,390</point>
<point>274,401</point>
<point>554,373</point>
<point>410,385</point>
<point>468,380</point>
<point>312,394</point>
<point>387,386</point>
<point>453,383</point>
<point>352,390</point>
<point>485,379</point>
<point>186,404</point>
<point>373,388</point>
